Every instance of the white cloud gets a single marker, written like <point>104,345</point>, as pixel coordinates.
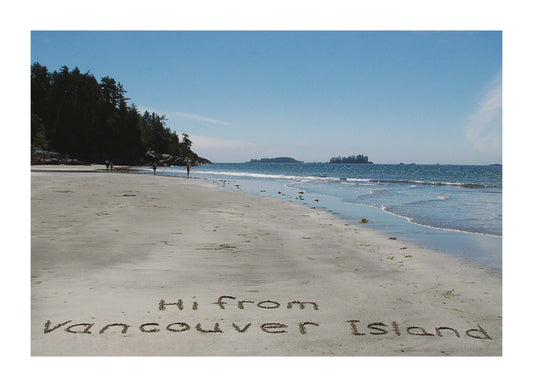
<point>484,127</point>
<point>185,115</point>
<point>203,142</point>
<point>197,118</point>
<point>221,150</point>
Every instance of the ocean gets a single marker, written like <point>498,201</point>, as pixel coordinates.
<point>452,208</point>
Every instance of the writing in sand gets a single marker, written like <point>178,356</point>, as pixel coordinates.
<point>353,327</point>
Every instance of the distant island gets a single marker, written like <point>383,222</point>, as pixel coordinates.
<point>275,160</point>
<point>359,159</point>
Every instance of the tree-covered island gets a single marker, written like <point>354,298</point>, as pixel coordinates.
<point>73,114</point>
<point>359,159</point>
<point>275,160</point>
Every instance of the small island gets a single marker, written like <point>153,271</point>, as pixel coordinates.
<point>275,160</point>
<point>359,159</point>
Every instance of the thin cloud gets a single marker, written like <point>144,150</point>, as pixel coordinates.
<point>197,118</point>
<point>484,127</point>
<point>185,115</point>
<point>203,142</point>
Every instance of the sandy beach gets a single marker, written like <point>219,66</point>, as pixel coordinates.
<point>126,264</point>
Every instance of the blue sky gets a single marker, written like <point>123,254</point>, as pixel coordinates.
<point>423,97</point>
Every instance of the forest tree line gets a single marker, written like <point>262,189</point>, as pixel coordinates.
<point>72,113</point>
<point>359,159</point>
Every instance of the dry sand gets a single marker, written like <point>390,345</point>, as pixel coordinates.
<point>126,264</point>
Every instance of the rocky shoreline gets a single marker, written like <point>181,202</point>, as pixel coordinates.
<point>167,160</point>
<point>43,157</point>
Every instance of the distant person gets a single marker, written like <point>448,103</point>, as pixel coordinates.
<point>111,165</point>
<point>107,165</point>
<point>188,169</point>
<point>154,166</point>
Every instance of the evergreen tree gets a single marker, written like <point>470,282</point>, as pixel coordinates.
<point>359,159</point>
<point>75,114</point>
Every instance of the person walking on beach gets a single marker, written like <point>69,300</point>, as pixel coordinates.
<point>111,165</point>
<point>188,169</point>
<point>107,165</point>
<point>154,166</point>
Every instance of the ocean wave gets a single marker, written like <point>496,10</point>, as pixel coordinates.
<point>439,198</point>
<point>374,193</point>
<point>251,174</point>
<point>457,228</point>
<point>414,183</point>
<point>319,178</point>
<point>342,179</point>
